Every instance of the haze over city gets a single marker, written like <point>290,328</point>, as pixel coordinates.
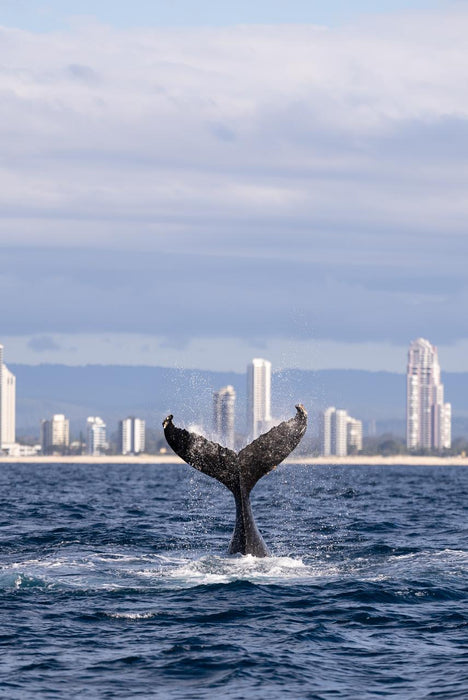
<point>195,189</point>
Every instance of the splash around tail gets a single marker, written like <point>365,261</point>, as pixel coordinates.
<point>239,472</point>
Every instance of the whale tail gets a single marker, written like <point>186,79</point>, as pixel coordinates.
<point>239,472</point>
<point>243,469</point>
<point>265,453</point>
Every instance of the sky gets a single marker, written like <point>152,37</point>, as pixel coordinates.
<point>195,184</point>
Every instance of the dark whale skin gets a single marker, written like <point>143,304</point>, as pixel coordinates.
<point>239,472</point>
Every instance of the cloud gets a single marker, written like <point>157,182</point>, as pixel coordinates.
<point>237,180</point>
<point>183,296</point>
<point>43,343</point>
<point>82,73</point>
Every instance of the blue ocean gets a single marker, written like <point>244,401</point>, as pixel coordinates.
<point>115,583</point>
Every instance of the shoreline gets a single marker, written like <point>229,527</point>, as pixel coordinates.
<point>375,460</point>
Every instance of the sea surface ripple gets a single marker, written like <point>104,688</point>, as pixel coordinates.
<point>114,583</point>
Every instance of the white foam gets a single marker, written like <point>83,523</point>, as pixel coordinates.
<point>132,616</point>
<point>213,570</point>
<point>447,556</point>
<point>119,570</point>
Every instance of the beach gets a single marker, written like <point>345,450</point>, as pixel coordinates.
<point>355,460</point>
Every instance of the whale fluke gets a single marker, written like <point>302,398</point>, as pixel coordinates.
<point>240,472</point>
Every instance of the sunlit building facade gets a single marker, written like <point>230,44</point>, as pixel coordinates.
<point>55,434</point>
<point>428,417</point>
<point>224,403</point>
<point>258,396</point>
<point>96,442</point>
<point>353,435</point>
<point>7,405</point>
<point>326,431</point>
<point>131,436</point>
<point>339,433</point>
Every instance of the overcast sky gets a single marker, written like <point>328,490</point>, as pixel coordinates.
<point>197,188</point>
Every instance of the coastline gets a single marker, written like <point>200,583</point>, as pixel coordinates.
<point>375,460</point>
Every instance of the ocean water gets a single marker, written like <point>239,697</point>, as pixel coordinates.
<point>114,583</point>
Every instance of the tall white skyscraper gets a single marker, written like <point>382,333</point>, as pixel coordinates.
<point>132,435</point>
<point>7,405</point>
<point>339,433</point>
<point>96,441</point>
<point>224,402</point>
<point>1,395</point>
<point>428,418</point>
<point>326,431</point>
<point>258,396</point>
<point>55,434</point>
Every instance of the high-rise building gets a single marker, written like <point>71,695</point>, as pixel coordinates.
<point>1,395</point>
<point>354,435</point>
<point>7,405</point>
<point>96,441</point>
<point>55,434</point>
<point>258,396</point>
<point>224,402</point>
<point>131,436</point>
<point>428,418</point>
<point>339,433</point>
<point>326,431</point>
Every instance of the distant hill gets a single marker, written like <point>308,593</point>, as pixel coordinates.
<point>114,392</point>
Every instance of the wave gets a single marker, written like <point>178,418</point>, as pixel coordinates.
<point>113,570</point>
<point>116,570</point>
<point>214,569</point>
<point>10,581</point>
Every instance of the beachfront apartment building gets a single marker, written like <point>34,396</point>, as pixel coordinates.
<point>131,436</point>
<point>7,406</point>
<point>340,434</point>
<point>55,434</point>
<point>258,397</point>
<point>224,405</point>
<point>428,417</point>
<point>353,435</point>
<point>96,441</point>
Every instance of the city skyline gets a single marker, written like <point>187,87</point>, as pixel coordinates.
<point>428,415</point>
<point>55,437</point>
